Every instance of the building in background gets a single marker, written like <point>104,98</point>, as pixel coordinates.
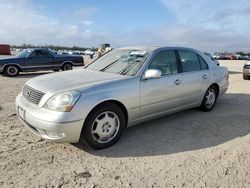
<point>5,49</point>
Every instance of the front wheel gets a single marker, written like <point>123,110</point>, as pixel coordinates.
<point>11,71</point>
<point>245,77</point>
<point>210,99</point>
<point>104,126</point>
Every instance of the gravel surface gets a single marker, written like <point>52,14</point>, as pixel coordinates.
<point>187,149</point>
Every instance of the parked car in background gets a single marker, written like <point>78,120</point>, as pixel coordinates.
<point>238,56</point>
<point>77,53</point>
<point>211,57</point>
<point>62,52</point>
<point>215,56</point>
<point>230,56</point>
<point>221,56</point>
<point>246,71</point>
<point>244,57</point>
<point>38,60</point>
<point>120,89</point>
<point>88,52</point>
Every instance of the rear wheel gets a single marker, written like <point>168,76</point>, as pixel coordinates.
<point>67,67</point>
<point>210,99</point>
<point>104,126</point>
<point>11,71</point>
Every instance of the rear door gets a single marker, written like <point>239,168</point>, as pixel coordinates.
<point>195,74</point>
<point>162,94</point>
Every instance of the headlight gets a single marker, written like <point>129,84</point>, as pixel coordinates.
<point>63,102</point>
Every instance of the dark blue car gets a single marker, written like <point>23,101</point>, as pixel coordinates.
<point>38,60</point>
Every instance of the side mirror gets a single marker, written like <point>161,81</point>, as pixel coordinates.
<point>152,73</point>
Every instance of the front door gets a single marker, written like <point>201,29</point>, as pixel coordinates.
<point>162,94</point>
<point>39,60</point>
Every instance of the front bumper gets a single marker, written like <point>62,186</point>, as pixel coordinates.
<point>46,128</point>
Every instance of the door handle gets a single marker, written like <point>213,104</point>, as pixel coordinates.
<point>204,76</point>
<point>177,82</point>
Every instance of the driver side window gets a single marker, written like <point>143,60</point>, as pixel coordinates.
<point>165,62</point>
<point>42,53</point>
<point>33,54</point>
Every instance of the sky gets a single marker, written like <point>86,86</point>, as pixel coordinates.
<point>208,25</point>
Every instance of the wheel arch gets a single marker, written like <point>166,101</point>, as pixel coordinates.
<point>116,102</point>
<point>217,88</point>
<point>12,64</point>
<point>67,62</point>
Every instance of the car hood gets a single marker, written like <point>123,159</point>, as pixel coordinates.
<point>10,59</point>
<point>71,80</point>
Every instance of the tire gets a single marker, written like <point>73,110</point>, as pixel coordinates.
<point>104,126</point>
<point>245,77</point>
<point>209,99</point>
<point>11,71</point>
<point>67,67</point>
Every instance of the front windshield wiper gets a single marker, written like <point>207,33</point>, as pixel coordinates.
<point>125,70</point>
<point>129,68</point>
<point>110,65</point>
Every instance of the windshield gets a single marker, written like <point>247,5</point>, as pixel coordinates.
<point>24,54</point>
<point>125,62</point>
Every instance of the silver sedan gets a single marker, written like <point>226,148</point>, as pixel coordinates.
<point>122,88</point>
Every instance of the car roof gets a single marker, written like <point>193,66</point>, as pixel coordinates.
<point>152,48</point>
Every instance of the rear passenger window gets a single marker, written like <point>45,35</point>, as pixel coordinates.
<point>165,62</point>
<point>189,61</point>
<point>204,65</point>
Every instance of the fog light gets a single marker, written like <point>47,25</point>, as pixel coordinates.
<point>54,135</point>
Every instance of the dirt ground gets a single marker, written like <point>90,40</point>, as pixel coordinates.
<point>187,149</point>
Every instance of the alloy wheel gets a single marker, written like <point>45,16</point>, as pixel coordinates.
<point>210,98</point>
<point>105,127</point>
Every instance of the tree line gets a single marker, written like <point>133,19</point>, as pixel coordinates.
<point>54,47</point>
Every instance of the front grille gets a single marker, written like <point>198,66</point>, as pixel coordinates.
<point>32,95</point>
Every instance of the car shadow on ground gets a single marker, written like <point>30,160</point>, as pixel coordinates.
<point>1,108</point>
<point>185,131</point>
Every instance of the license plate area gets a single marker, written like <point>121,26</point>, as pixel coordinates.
<point>21,113</point>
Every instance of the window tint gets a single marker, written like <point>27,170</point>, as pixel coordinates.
<point>42,53</point>
<point>203,63</point>
<point>165,62</point>
<point>33,54</point>
<point>189,61</point>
